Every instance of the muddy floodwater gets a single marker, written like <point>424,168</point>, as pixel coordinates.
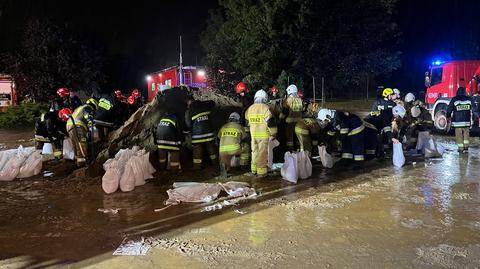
<point>424,215</point>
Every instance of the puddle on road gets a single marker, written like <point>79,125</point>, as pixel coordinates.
<point>425,215</point>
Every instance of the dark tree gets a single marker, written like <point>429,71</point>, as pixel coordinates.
<point>49,58</point>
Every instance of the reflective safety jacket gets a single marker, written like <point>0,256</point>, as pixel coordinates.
<point>292,109</point>
<point>346,123</point>
<point>231,136</point>
<point>461,108</point>
<point>308,126</point>
<point>199,121</point>
<point>105,114</point>
<point>82,116</point>
<point>261,121</point>
<point>167,134</point>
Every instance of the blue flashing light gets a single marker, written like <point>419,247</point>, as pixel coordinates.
<point>437,63</point>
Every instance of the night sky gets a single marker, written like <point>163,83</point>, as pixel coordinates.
<point>139,37</point>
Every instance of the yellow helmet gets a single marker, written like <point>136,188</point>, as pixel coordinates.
<point>93,103</point>
<point>387,92</point>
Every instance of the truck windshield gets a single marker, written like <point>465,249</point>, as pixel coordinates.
<point>436,76</point>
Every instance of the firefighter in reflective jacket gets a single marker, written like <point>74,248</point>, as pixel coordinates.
<point>198,120</point>
<point>262,127</point>
<point>292,109</point>
<point>307,131</point>
<point>104,118</point>
<point>351,130</point>
<point>231,135</point>
<point>459,112</point>
<point>78,127</point>
<point>168,140</point>
<point>420,121</point>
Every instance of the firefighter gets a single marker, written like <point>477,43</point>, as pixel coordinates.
<point>351,130</point>
<point>274,92</point>
<point>78,126</point>
<point>307,131</point>
<point>292,109</point>
<point>51,129</point>
<point>421,121</point>
<point>168,140</point>
<point>65,100</point>
<point>104,118</point>
<point>120,108</point>
<point>232,136</point>
<point>399,124</point>
<point>262,127</point>
<point>134,101</point>
<point>198,121</point>
<point>245,98</point>
<point>381,116</point>
<point>459,112</point>
<point>397,98</point>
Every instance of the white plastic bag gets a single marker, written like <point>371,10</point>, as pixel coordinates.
<point>111,179</point>
<point>325,158</point>
<point>127,181</point>
<point>47,149</point>
<point>423,141</point>
<point>68,149</point>
<point>289,170</point>
<point>398,157</point>
<point>433,150</point>
<point>272,143</point>
<point>304,165</point>
<point>32,166</point>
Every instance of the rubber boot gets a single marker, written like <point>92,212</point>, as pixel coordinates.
<point>223,171</point>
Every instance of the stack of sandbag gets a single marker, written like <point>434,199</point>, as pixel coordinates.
<point>19,163</point>
<point>129,169</point>
<point>297,165</point>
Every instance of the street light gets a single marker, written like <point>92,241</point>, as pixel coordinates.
<point>201,73</point>
<point>148,78</point>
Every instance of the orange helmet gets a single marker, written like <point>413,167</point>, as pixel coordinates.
<point>64,114</point>
<point>241,87</point>
<point>135,93</point>
<point>131,100</point>
<point>274,90</point>
<point>63,92</point>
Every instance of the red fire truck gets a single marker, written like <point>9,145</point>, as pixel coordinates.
<point>193,76</point>
<point>8,96</point>
<point>442,81</point>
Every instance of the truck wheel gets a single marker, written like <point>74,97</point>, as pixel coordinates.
<point>441,122</point>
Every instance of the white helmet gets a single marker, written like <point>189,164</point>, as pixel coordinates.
<point>409,97</point>
<point>292,89</point>
<point>415,111</point>
<point>398,111</point>
<point>396,91</point>
<point>261,97</point>
<point>325,114</point>
<point>234,117</point>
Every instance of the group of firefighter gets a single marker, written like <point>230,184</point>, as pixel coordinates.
<point>296,123</point>
<point>69,117</point>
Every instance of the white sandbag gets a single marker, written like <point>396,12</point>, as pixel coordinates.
<point>304,165</point>
<point>32,166</point>
<point>289,170</point>
<point>111,179</point>
<point>5,156</point>
<point>148,167</point>
<point>433,150</point>
<point>127,181</point>
<point>398,157</point>
<point>235,162</point>
<point>423,141</point>
<point>47,149</point>
<point>325,157</point>
<point>68,149</point>
<point>272,143</point>
<point>10,170</point>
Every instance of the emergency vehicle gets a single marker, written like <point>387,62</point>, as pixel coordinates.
<point>193,76</point>
<point>442,81</point>
<point>8,96</point>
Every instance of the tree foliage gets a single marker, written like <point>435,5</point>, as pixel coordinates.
<point>341,41</point>
<point>49,58</point>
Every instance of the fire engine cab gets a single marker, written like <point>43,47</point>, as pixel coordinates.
<point>192,76</point>
<point>8,95</point>
<point>442,81</point>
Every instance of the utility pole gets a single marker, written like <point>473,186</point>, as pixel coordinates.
<point>323,92</point>
<point>181,63</point>
<point>313,82</point>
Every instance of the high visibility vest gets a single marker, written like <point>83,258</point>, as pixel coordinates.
<point>231,135</point>
<point>258,116</point>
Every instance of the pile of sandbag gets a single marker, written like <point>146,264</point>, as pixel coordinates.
<point>194,192</point>
<point>297,165</point>
<point>129,169</point>
<point>19,163</point>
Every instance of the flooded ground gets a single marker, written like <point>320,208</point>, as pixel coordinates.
<point>423,215</point>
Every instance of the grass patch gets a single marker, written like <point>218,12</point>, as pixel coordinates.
<point>21,115</point>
